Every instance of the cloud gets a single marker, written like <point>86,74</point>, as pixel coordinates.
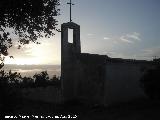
<point>110,53</point>
<point>148,53</point>
<point>135,36</point>
<point>115,42</point>
<point>106,38</point>
<point>130,38</point>
<point>90,34</point>
<point>124,39</point>
<point>118,54</point>
<point>152,52</point>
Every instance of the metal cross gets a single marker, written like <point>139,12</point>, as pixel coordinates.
<point>70,3</point>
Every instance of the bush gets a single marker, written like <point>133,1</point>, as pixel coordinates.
<point>41,78</point>
<point>11,84</point>
<point>55,81</point>
<point>10,93</point>
<point>27,82</point>
<point>150,82</point>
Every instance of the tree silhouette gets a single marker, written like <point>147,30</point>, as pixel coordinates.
<point>30,19</point>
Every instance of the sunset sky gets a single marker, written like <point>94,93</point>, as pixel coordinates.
<point>117,28</point>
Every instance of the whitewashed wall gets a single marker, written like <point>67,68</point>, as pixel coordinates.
<point>122,82</point>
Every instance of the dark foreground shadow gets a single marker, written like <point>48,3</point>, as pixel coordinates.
<point>140,109</point>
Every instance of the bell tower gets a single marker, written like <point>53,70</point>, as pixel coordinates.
<point>69,51</point>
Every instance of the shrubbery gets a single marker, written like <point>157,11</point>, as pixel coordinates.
<point>10,93</point>
<point>11,84</point>
<point>150,82</point>
<point>39,79</point>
